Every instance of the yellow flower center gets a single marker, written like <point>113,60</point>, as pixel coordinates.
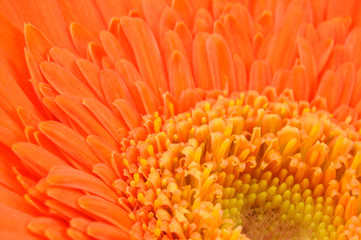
<point>244,166</point>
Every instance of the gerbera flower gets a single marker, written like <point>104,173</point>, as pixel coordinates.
<point>180,119</point>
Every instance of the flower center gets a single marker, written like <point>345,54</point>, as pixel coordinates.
<point>239,167</point>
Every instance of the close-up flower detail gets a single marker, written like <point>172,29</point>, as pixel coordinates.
<point>176,119</point>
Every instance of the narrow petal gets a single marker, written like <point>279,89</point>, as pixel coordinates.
<point>180,75</point>
<point>101,230</point>
<point>81,37</point>
<point>114,87</point>
<point>149,99</point>
<point>74,108</point>
<point>91,17</point>
<point>115,127</point>
<point>356,95</point>
<point>322,52</point>
<point>91,72</point>
<point>221,63</point>
<point>70,141</point>
<point>72,178</point>
<point>63,81</point>
<point>126,110</point>
<point>13,224</point>
<point>283,45</point>
<point>299,82</point>
<point>184,11</point>
<point>308,60</point>
<point>346,74</point>
<point>106,210</point>
<point>112,47</point>
<point>201,68</point>
<point>38,159</point>
<point>146,53</point>
<point>260,75</point>
<point>331,89</point>
<point>11,131</point>
<point>101,148</point>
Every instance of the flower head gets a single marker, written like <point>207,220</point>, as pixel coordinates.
<point>180,120</point>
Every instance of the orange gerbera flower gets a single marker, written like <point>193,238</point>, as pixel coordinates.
<point>205,119</point>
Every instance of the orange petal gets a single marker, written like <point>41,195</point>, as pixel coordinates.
<point>146,53</point>
<point>76,234</point>
<point>101,230</point>
<point>101,148</point>
<point>238,40</point>
<point>299,82</point>
<point>152,12</point>
<point>73,12</point>
<point>336,29</point>
<point>68,196</point>
<point>241,74</point>
<point>260,76</point>
<point>130,116</point>
<point>172,42</point>
<point>109,9</point>
<point>96,54</point>
<point>282,47</point>
<point>356,95</point>
<point>339,55</point>
<point>221,63</point>
<point>308,60</point>
<point>40,225</point>
<point>115,127</point>
<point>7,176</point>
<point>12,52</point>
<point>37,158</point>
<point>10,130</point>
<point>130,75</point>
<point>90,72</point>
<point>67,59</point>
<point>331,89</point>
<point>72,178</point>
<point>322,52</point>
<point>34,70</point>
<point>105,173</point>
<point>70,141</point>
<point>114,87</point>
<point>188,99</point>
<point>75,109</point>
<point>15,201</point>
<point>81,37</point>
<point>149,99</point>
<point>203,21</point>
<point>13,224</point>
<point>37,43</point>
<point>167,22</point>
<point>353,42</point>
<point>12,96</point>
<point>184,11</point>
<point>345,113</point>
<point>346,73</point>
<point>186,36</point>
<point>112,47</point>
<point>62,210</point>
<point>180,75</point>
<point>336,8</point>
<point>107,211</point>
<point>27,118</point>
<point>80,223</point>
<point>243,15</point>
<point>50,104</point>
<point>63,81</point>
<point>201,68</point>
